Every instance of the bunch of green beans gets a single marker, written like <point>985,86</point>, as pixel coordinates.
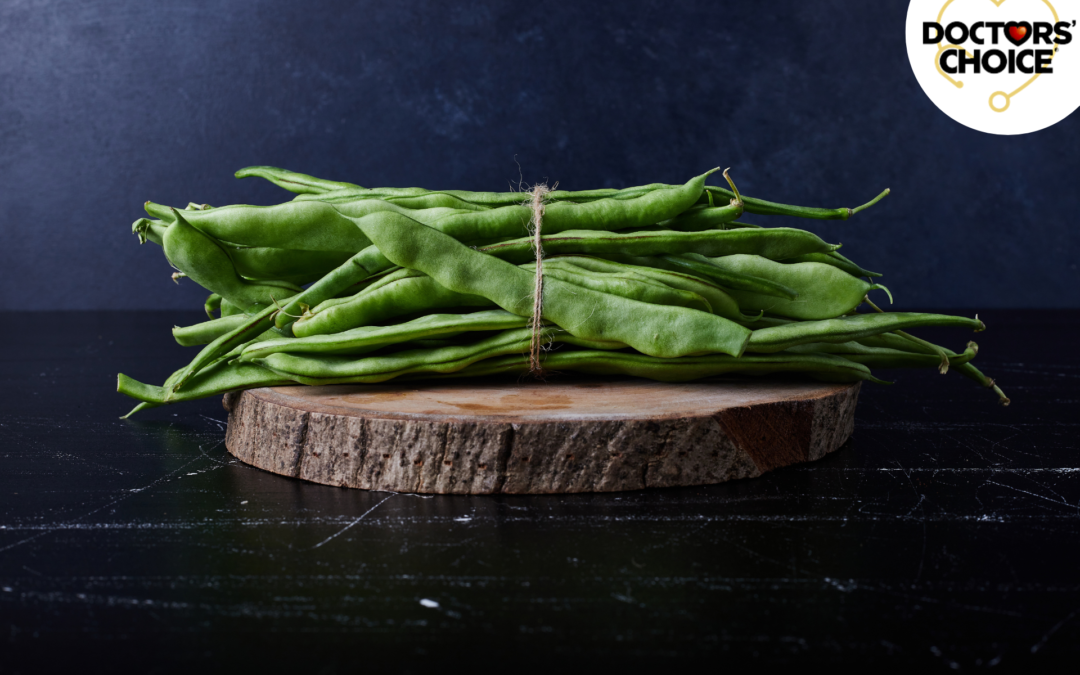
<point>346,284</point>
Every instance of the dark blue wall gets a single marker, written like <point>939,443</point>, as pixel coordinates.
<point>104,105</point>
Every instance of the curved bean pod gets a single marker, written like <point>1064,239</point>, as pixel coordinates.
<point>627,285</point>
<point>296,267</point>
<point>400,297</point>
<point>704,217</point>
<point>824,291</point>
<point>204,261</point>
<point>431,201</point>
<point>298,183</point>
<point>733,281</point>
<point>219,378</point>
<point>212,304</point>
<point>832,258</point>
<point>720,302</point>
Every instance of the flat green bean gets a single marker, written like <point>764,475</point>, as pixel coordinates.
<point>207,331</point>
<point>369,338</point>
<point>774,243</point>
<point>882,357</point>
<point>704,217</point>
<point>627,285</point>
<point>832,258</point>
<point>318,369</point>
<point>297,183</point>
<point>847,328</point>
<point>824,291</point>
<point>732,281</point>
<point>407,295</point>
<point>719,302</point>
<point>818,366</point>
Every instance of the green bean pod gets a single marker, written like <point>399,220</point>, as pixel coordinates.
<point>732,281</point>
<point>486,199</point>
<point>298,183</point>
<point>704,217</point>
<point>824,290</point>
<point>766,208</point>
<point>432,201</point>
<point>882,357</point>
<point>885,358</point>
<point>627,285</point>
<point>318,369</point>
<point>401,297</point>
<point>149,230</point>
<point>972,373</point>
<point>204,261</point>
<point>847,328</point>
<point>832,258</point>
<point>719,302</point>
<point>751,204</point>
<point>296,267</point>
<point>824,367</point>
<point>369,338</point>
<point>217,379</point>
<point>966,369</point>
<point>775,243</point>
<point>207,331</point>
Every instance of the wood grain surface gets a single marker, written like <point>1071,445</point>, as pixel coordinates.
<point>574,435</point>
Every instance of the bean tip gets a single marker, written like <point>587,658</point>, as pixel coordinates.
<point>870,203</point>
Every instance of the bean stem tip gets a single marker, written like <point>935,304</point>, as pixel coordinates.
<point>868,204</point>
<point>738,201</point>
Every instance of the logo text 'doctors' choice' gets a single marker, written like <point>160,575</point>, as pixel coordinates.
<point>998,66</point>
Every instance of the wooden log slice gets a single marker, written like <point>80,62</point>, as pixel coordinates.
<point>571,435</point>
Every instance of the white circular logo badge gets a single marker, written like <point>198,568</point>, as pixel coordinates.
<point>998,66</point>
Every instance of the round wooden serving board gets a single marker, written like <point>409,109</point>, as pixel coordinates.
<point>571,435</point>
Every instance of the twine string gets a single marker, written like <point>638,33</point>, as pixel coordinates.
<point>537,324</point>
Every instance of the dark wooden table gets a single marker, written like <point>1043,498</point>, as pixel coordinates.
<point>945,533</point>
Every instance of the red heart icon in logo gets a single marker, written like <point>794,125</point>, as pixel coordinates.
<point>1017,32</point>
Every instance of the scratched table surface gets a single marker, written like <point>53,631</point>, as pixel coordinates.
<point>944,533</point>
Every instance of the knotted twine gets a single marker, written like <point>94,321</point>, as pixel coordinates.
<point>538,193</point>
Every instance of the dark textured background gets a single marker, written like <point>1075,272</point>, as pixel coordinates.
<point>104,105</point>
